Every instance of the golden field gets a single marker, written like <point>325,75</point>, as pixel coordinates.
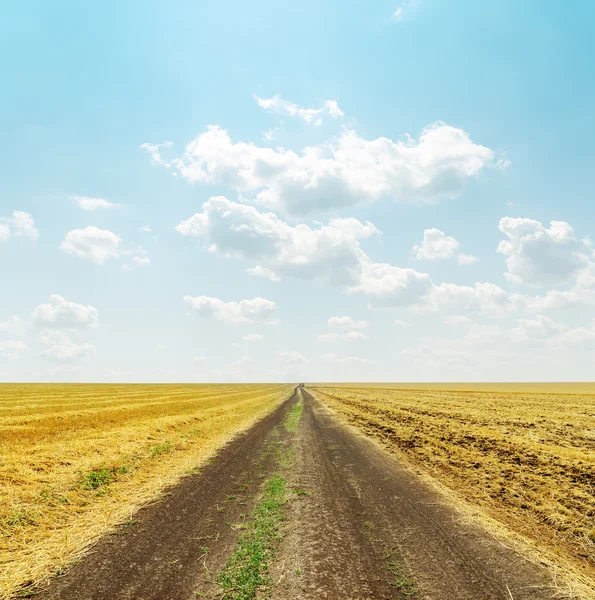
<point>77,459</point>
<point>526,457</point>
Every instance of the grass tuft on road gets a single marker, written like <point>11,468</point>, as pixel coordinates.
<point>293,417</point>
<point>247,570</point>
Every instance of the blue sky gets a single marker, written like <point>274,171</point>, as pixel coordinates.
<point>353,152</point>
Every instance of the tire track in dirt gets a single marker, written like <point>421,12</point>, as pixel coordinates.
<point>359,526</point>
<point>176,546</point>
<point>368,522</point>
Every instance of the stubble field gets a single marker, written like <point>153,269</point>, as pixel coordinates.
<point>527,458</point>
<point>77,459</point>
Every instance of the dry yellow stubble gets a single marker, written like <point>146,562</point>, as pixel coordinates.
<point>525,457</point>
<point>77,459</point>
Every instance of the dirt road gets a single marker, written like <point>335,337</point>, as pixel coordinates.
<point>358,525</point>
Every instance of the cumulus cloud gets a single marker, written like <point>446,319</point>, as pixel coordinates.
<point>245,311</point>
<point>437,245</point>
<point>331,357</point>
<point>332,254</point>
<point>313,116</point>
<point>539,328</point>
<point>93,204</point>
<point>253,337</point>
<point>466,259</point>
<point>21,224</point>
<point>138,258</point>
<point>13,349</point>
<point>347,323</point>
<point>14,325</point>
<point>145,229</point>
<point>69,351</point>
<point>329,253</point>
<point>92,243</point>
<point>59,312</point>
<point>346,171</point>
<point>292,358</point>
<point>350,336</point>
<point>537,255</point>
<point>386,285</point>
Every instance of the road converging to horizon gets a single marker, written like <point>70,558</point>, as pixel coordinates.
<point>357,524</point>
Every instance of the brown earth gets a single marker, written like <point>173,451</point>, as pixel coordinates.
<point>362,526</point>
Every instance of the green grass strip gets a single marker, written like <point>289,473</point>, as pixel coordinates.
<point>247,570</point>
<point>293,417</point>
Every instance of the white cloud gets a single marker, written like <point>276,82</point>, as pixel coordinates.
<point>199,359</point>
<point>537,255</point>
<point>253,337</point>
<point>347,171</point>
<point>386,285</point>
<point>14,325</point>
<point>400,323</point>
<point>93,204</point>
<point>539,328</point>
<point>52,337</point>
<point>457,320</point>
<point>435,246</point>
<point>154,151</point>
<point>59,312</point>
<point>313,116</point>
<point>350,336</point>
<point>271,133</point>
<point>466,259</point>
<point>245,311</point>
<point>13,349</point>
<point>145,229</point>
<point>141,261</point>
<point>21,224</point>
<point>97,245</point>
<point>292,358</point>
<point>69,351</point>
<point>398,14</point>
<point>347,323</point>
<point>329,253</point>
<point>331,357</point>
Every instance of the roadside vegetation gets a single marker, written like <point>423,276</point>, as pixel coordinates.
<point>75,460</point>
<point>527,458</point>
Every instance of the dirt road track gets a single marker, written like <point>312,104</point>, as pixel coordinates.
<point>364,524</point>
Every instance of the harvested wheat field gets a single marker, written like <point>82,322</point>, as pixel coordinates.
<point>525,458</point>
<point>77,459</point>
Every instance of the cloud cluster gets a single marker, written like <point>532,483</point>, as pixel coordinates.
<point>329,253</point>
<point>346,323</point>
<point>542,256</point>
<point>344,172</point>
<point>59,312</point>
<point>13,349</point>
<point>256,310</point>
<point>436,245</point>
<point>21,224</point>
<point>313,116</point>
<point>101,245</point>
<point>63,349</point>
<point>92,243</point>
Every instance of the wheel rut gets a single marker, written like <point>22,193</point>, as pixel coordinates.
<point>359,525</point>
